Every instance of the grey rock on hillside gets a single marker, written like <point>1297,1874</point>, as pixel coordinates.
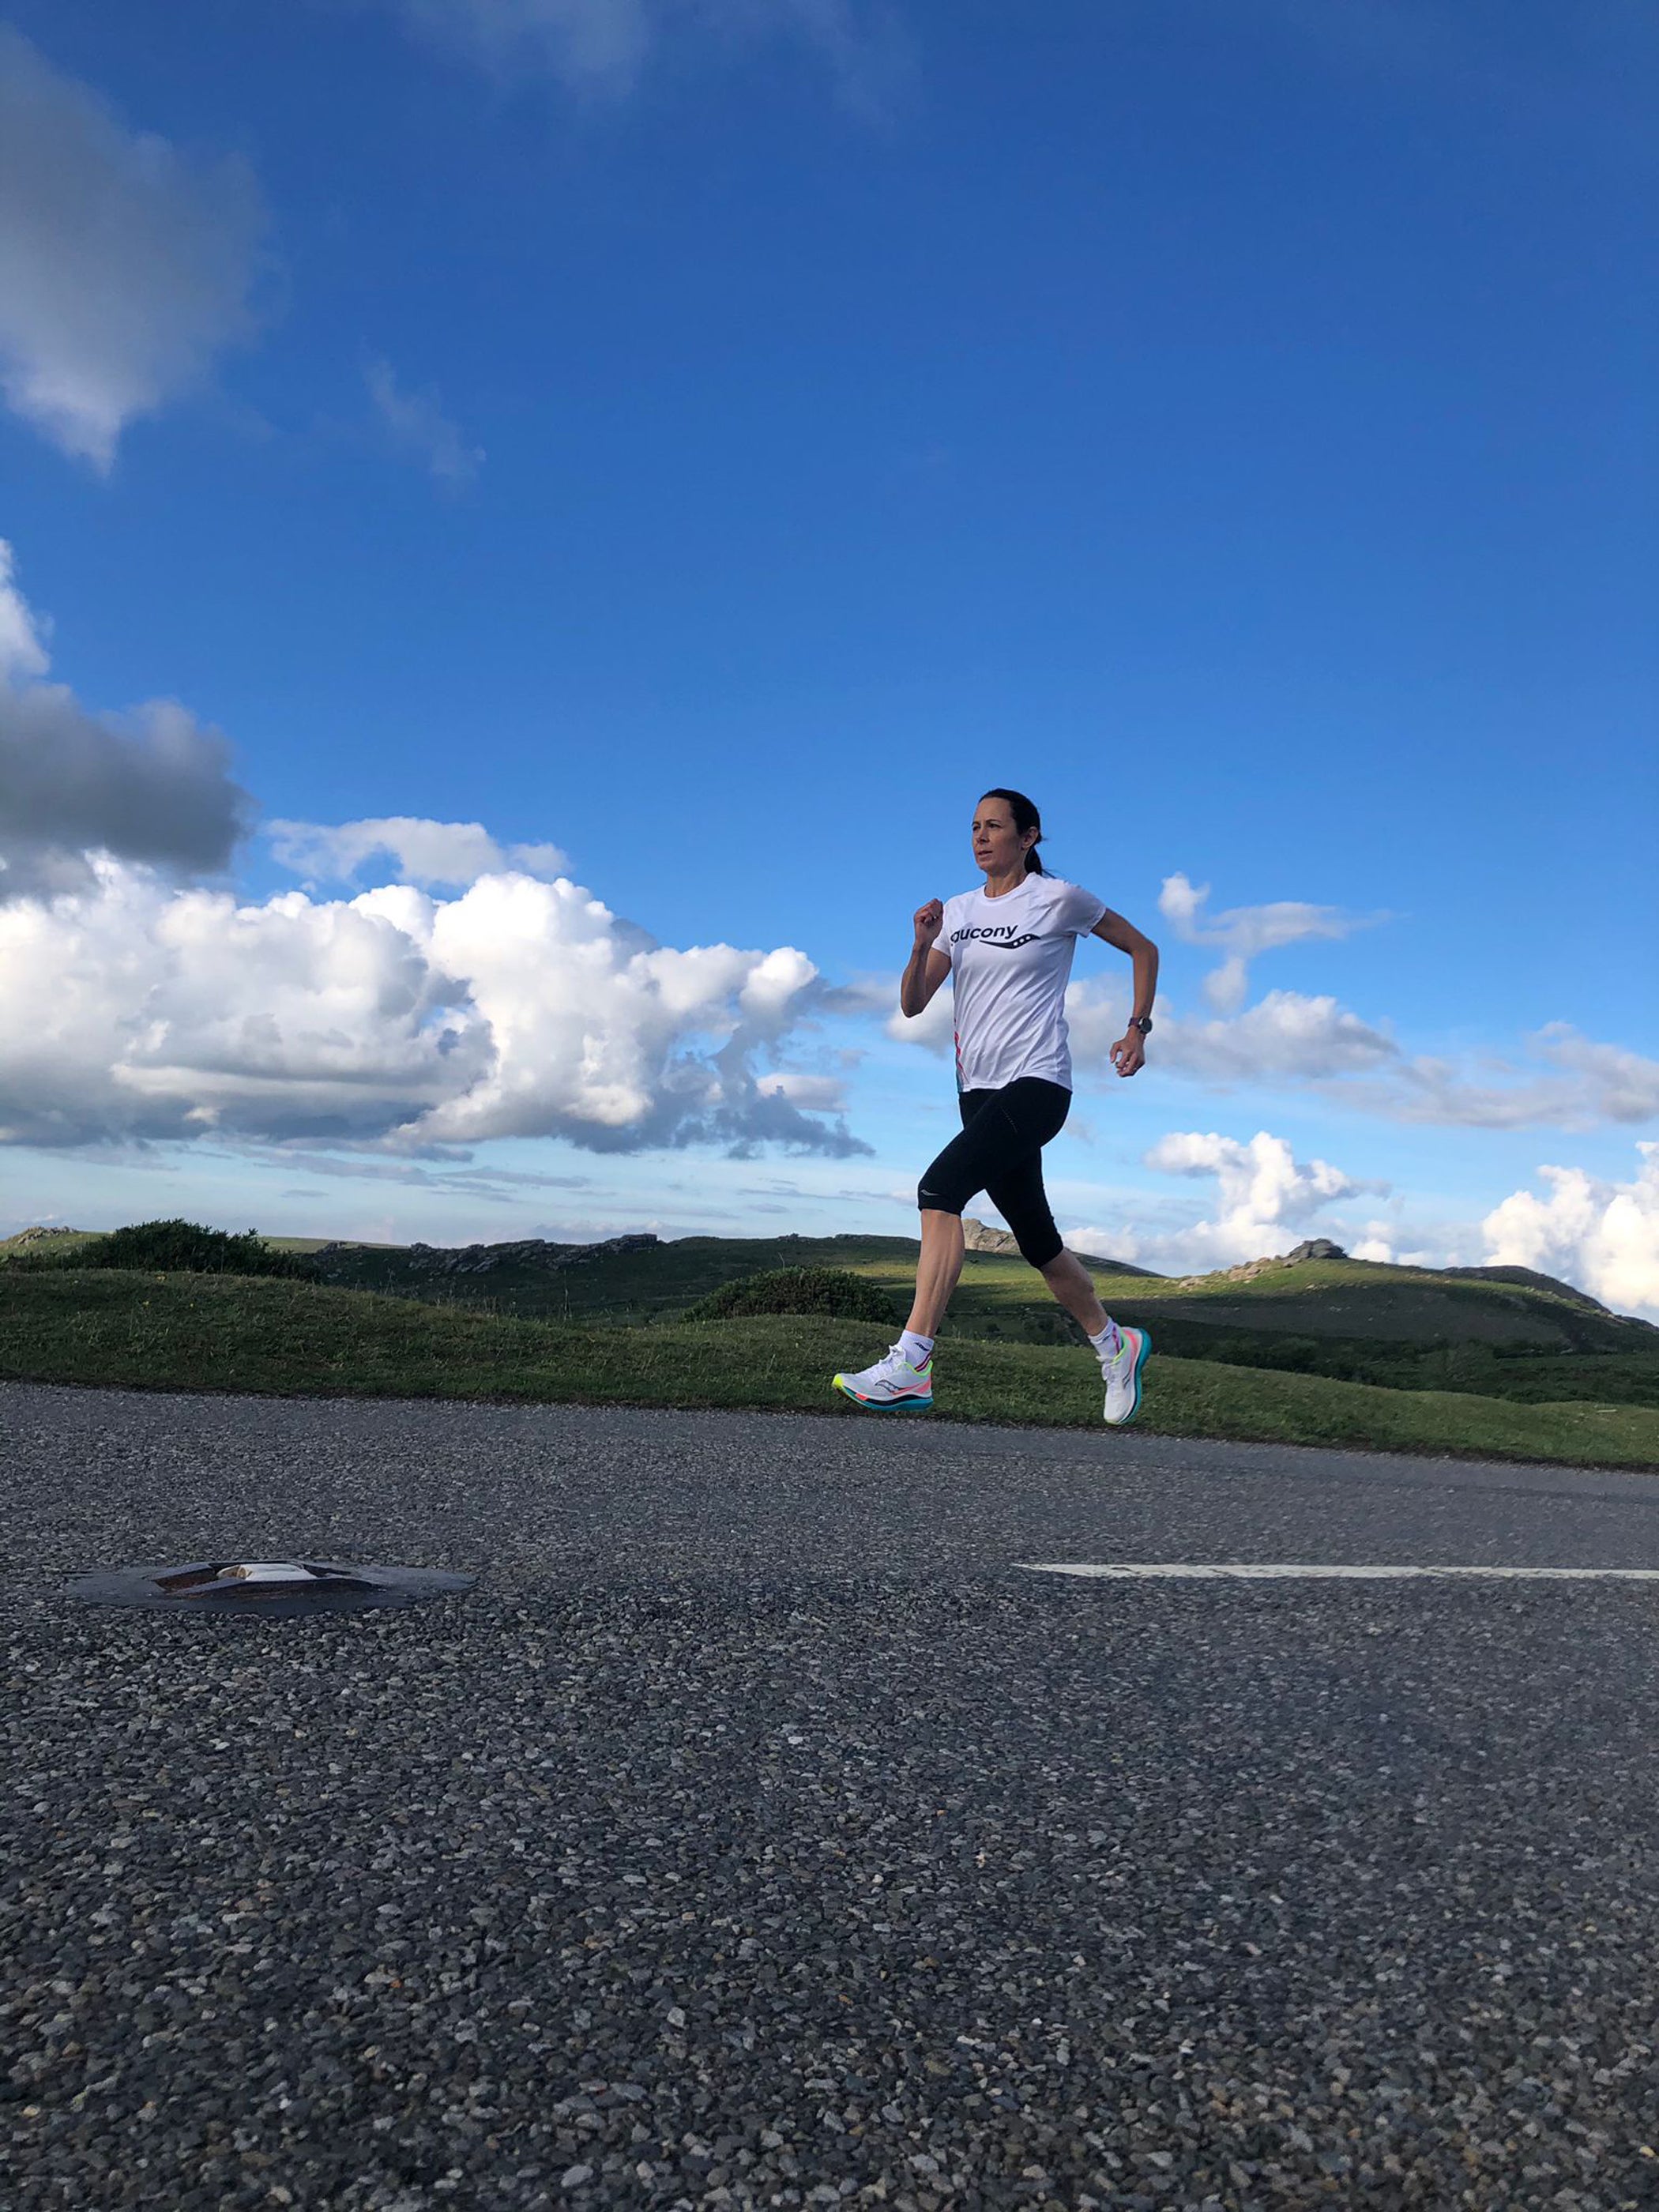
<point>980,1236</point>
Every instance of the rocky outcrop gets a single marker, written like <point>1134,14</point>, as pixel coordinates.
<point>1314,1248</point>
<point>980,1236</point>
<point>37,1235</point>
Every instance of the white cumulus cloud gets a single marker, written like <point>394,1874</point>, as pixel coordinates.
<point>521,1008</point>
<point>150,785</point>
<point>1119,1241</point>
<point>22,648</point>
<point>1603,1237</point>
<point>933,1027</point>
<point>124,267</point>
<point>1265,1197</point>
<point>424,851</point>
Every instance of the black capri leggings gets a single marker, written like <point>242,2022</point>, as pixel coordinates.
<point>999,1152</point>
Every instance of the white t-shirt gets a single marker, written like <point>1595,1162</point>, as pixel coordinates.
<point>1010,960</point>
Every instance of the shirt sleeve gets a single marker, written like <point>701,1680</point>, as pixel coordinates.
<point>942,942</point>
<point>1079,910</point>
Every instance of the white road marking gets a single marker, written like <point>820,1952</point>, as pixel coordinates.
<point>1185,1571</point>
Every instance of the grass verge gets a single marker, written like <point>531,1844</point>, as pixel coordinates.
<point>235,1333</point>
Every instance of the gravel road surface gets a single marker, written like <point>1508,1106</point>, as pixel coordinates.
<point>759,1830</point>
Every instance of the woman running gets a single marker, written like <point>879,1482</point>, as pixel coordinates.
<point>1007,949</point>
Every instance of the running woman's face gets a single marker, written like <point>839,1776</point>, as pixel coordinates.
<point>998,848</point>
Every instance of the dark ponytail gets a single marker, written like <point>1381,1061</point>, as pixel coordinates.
<point>1025,817</point>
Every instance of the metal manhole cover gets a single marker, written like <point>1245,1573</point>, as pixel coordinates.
<point>266,1587</point>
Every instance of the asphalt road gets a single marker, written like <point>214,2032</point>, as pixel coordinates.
<point>758,1831</point>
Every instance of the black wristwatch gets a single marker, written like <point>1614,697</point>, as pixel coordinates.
<point>1141,1021</point>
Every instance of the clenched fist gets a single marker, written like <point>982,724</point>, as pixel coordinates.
<point>929,920</point>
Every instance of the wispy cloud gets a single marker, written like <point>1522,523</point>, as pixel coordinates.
<point>1288,1036</point>
<point>1297,1041</point>
<point>418,426</point>
<point>1242,933</point>
<point>125,268</point>
<point>594,43</point>
<point>503,1186</point>
<point>604,47</point>
<point>1595,1083</point>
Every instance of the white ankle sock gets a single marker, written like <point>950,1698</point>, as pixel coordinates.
<point>916,1349</point>
<point>1107,1343</point>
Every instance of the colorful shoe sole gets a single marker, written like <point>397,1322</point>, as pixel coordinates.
<point>886,1405</point>
<point>1140,1361</point>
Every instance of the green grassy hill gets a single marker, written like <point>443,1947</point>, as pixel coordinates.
<point>1487,1333</point>
<point>625,1287</point>
<point>1339,1298</point>
<point>31,1244</point>
<point>1503,1334</point>
<point>240,1333</point>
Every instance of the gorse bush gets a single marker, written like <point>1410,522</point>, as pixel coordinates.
<point>830,1291</point>
<point>166,1247</point>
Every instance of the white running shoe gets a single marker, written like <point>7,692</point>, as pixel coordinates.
<point>1122,1376</point>
<point>891,1386</point>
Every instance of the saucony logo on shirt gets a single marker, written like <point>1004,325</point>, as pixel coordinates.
<point>1000,936</point>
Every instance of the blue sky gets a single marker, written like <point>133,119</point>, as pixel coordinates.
<point>717,442</point>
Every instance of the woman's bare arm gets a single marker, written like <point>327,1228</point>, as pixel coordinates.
<point>929,967</point>
<point>1129,1052</point>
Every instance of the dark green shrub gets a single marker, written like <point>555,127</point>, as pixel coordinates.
<point>180,1247</point>
<point>832,1291</point>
